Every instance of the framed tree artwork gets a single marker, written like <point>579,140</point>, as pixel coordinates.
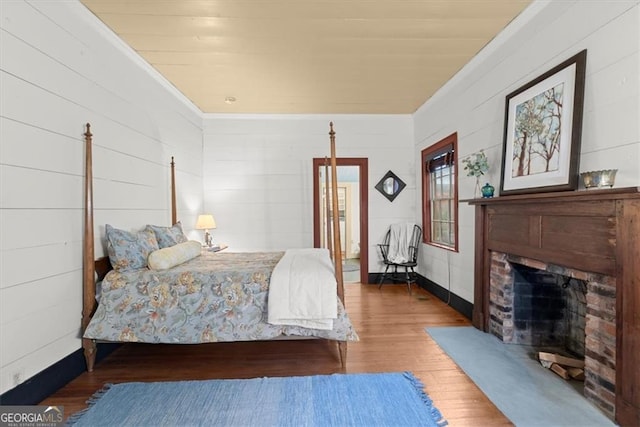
<point>542,132</point>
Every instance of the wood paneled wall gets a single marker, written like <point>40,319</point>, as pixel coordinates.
<point>259,174</point>
<point>472,104</point>
<point>60,68</point>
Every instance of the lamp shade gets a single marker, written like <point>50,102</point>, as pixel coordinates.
<point>205,222</point>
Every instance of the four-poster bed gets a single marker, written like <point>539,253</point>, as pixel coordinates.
<point>211,297</point>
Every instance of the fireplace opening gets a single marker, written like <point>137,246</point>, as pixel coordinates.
<point>557,309</point>
<point>549,310</point>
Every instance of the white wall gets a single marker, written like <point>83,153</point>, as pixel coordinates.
<point>472,104</point>
<point>60,68</point>
<point>258,179</point>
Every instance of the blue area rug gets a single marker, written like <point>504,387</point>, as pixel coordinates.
<point>526,393</point>
<point>387,399</point>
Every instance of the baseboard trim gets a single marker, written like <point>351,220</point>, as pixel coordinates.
<point>45,383</point>
<point>459,304</point>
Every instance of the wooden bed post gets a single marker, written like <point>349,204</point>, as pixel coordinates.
<point>342,345</point>
<point>174,208</point>
<point>327,192</point>
<point>88,267</point>
<point>337,247</point>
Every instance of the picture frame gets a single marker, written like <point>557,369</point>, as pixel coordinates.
<point>390,186</point>
<point>543,130</point>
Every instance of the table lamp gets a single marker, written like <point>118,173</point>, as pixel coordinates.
<point>206,223</point>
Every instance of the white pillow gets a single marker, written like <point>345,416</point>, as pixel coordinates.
<point>165,258</point>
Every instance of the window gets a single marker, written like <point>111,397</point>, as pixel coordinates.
<point>440,193</point>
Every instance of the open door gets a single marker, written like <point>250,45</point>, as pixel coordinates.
<point>352,211</point>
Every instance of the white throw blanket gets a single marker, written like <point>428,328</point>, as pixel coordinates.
<point>399,240</point>
<point>303,290</point>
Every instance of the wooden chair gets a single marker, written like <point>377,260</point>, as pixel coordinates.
<point>410,264</point>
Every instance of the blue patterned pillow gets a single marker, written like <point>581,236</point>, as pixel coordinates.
<point>127,250</point>
<point>168,236</point>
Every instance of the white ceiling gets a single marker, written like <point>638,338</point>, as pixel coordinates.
<point>307,56</point>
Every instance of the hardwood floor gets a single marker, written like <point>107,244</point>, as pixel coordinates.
<point>390,324</point>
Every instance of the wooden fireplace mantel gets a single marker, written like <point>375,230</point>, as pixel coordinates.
<point>596,231</point>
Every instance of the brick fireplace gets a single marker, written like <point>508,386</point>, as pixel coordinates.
<point>548,306</point>
<point>576,254</point>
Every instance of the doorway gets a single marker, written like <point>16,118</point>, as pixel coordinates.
<point>353,202</point>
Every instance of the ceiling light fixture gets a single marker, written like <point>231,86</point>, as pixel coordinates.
<point>230,100</point>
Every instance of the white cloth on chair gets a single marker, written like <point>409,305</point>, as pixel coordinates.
<point>399,240</point>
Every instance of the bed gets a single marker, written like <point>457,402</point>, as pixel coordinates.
<point>179,293</point>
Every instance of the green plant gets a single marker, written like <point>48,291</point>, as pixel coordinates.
<point>476,164</point>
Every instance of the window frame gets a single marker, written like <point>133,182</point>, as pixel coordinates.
<point>427,154</point>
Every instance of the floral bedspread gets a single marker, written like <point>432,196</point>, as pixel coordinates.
<point>213,297</point>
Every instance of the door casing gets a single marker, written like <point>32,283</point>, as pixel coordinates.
<point>363,179</point>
